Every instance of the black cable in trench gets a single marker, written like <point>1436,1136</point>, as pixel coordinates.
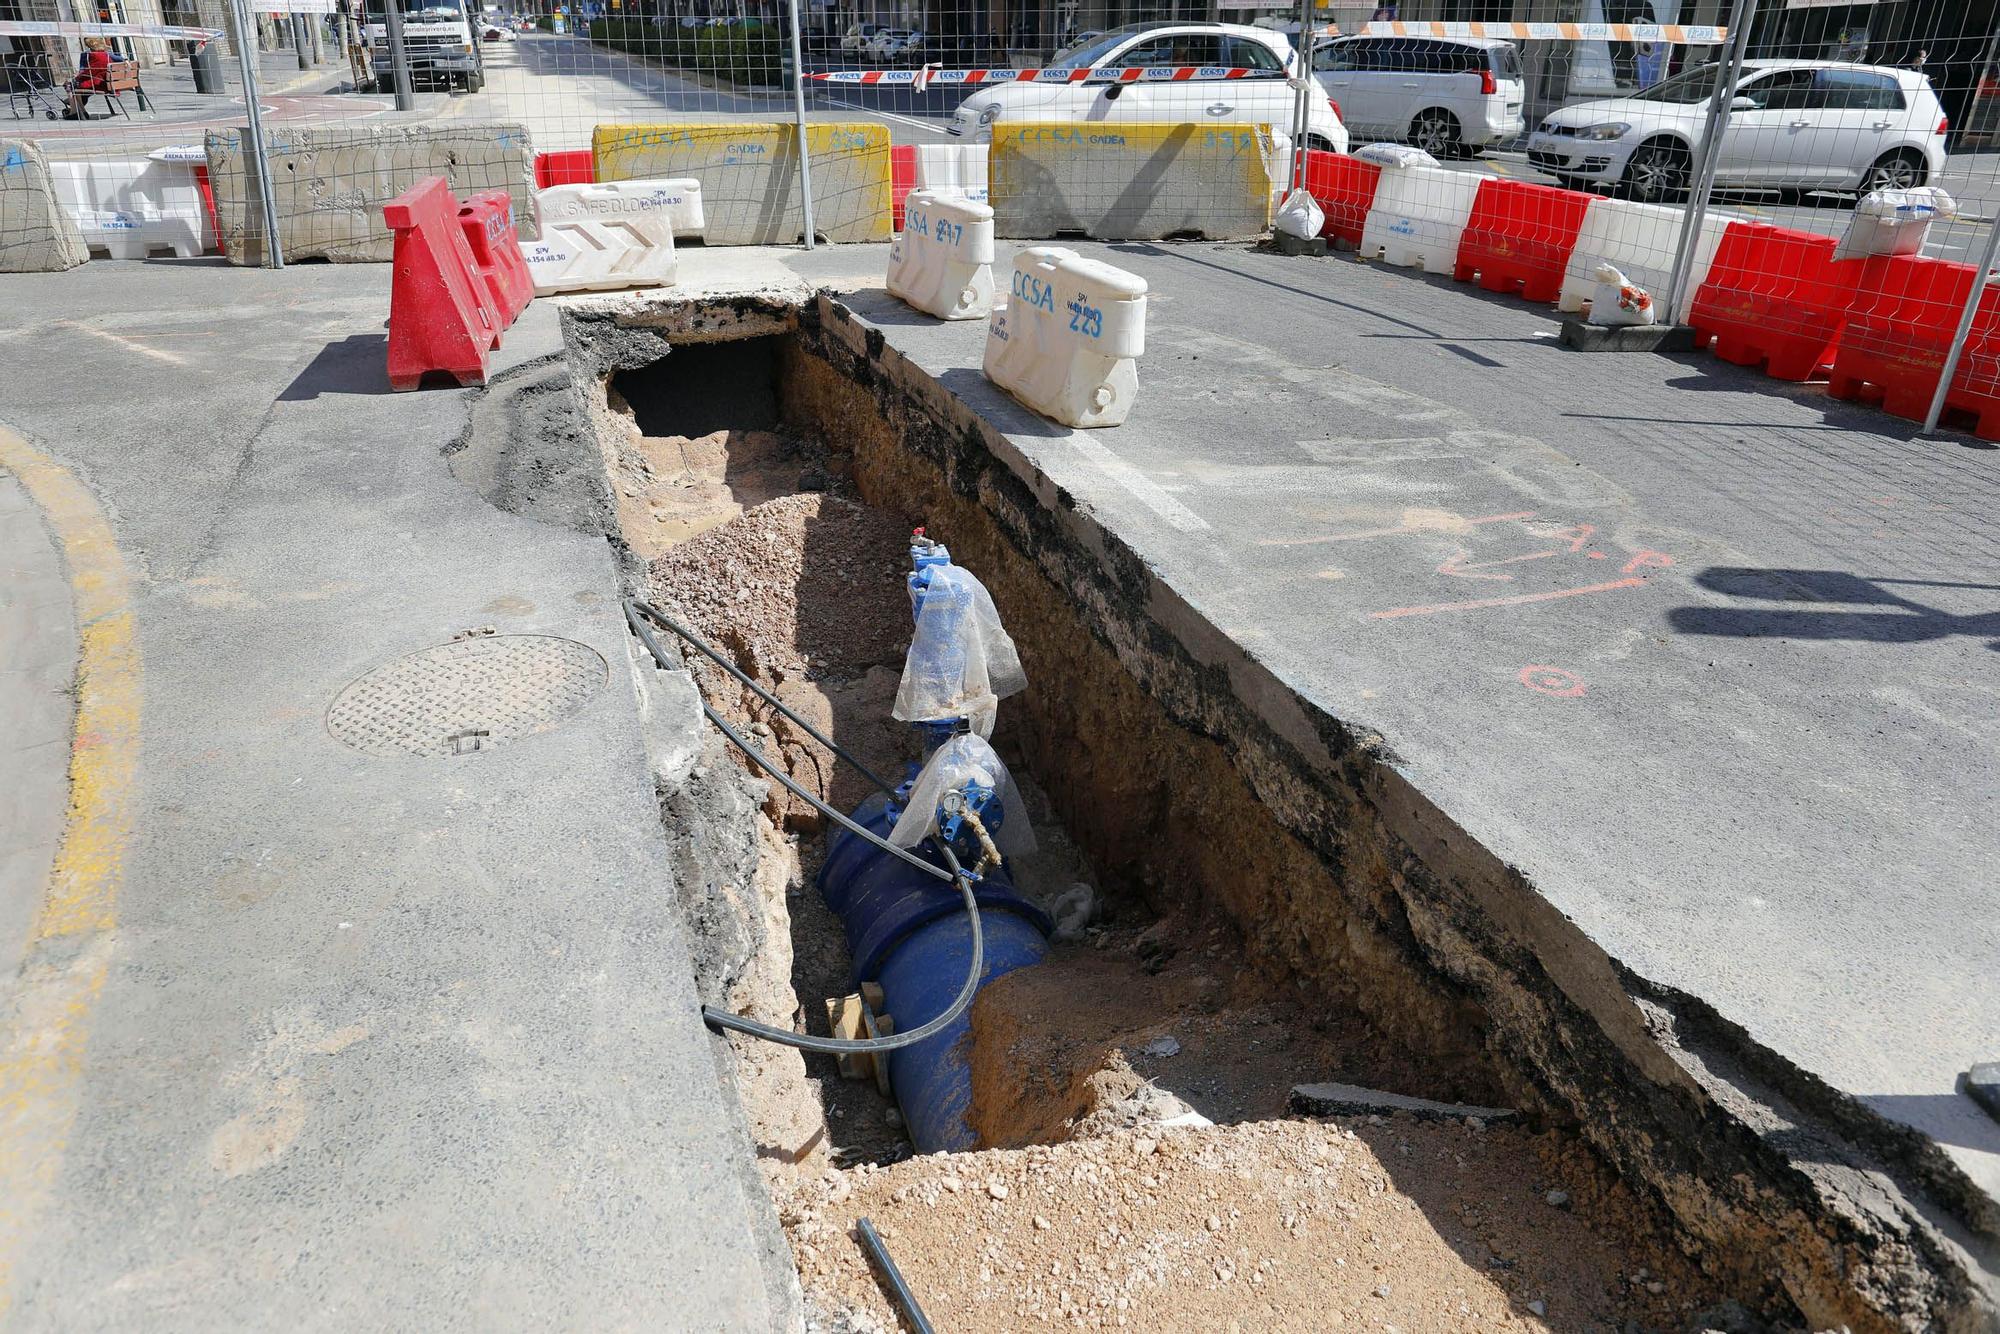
<point>804,1041</point>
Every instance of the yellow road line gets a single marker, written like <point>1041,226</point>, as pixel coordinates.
<point>41,1045</point>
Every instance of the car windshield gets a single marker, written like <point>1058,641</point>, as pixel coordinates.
<point>1083,55</point>
<point>1689,86</point>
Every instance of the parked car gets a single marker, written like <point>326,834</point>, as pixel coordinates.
<point>858,35</point>
<point>1449,96</point>
<point>1213,45</point>
<point>894,44</point>
<point>1793,125</point>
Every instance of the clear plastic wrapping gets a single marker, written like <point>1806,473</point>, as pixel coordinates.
<point>961,662</point>
<point>965,758</point>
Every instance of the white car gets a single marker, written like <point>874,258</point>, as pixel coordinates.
<point>893,44</point>
<point>858,35</point>
<point>1447,95</point>
<point>1793,125</point>
<point>1266,100</point>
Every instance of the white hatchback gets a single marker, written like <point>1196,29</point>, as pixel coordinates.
<point>1446,95</point>
<point>1793,125</point>
<point>1268,99</point>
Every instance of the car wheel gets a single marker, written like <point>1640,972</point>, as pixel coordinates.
<point>1900,170</point>
<point>1656,173</point>
<point>474,83</point>
<point>1436,132</point>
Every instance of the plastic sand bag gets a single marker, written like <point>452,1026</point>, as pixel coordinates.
<point>1300,215</point>
<point>1893,222</point>
<point>961,760</point>
<point>962,662</point>
<point>1619,303</point>
<point>1395,155</point>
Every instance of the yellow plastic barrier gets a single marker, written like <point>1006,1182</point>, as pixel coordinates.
<point>749,174</point>
<point>1134,182</point>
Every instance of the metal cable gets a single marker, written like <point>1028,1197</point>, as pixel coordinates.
<point>715,1018</point>
<point>654,612</point>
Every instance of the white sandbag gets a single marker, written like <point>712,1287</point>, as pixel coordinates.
<point>1893,222</point>
<point>1300,215</point>
<point>961,760</point>
<point>1618,303</point>
<point>1395,155</point>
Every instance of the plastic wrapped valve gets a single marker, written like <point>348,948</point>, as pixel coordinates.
<point>1893,222</point>
<point>965,759</point>
<point>1395,155</point>
<point>961,662</point>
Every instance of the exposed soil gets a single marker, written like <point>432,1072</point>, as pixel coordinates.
<point>1292,1225</point>
<point>805,595</point>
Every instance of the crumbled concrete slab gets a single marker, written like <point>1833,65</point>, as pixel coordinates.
<point>1352,1100</point>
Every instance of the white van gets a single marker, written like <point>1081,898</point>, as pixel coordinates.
<point>437,40</point>
<point>1449,96</point>
<point>1212,48</point>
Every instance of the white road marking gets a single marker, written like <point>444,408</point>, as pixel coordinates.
<point>933,126</point>
<point>1142,488</point>
<point>153,352</point>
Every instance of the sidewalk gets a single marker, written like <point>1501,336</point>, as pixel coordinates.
<point>377,1040</point>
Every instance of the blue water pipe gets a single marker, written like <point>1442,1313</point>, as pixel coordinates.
<point>909,932</point>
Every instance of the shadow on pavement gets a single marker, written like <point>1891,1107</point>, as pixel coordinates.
<point>1886,617</point>
<point>357,364</point>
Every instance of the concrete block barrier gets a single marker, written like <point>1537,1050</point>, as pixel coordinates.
<point>1066,342</point>
<point>749,175</point>
<point>678,203</point>
<point>130,207</point>
<point>1131,182</point>
<point>942,263</point>
<point>1418,216</point>
<point>601,254</point>
<point>1640,240</point>
<point>37,235</point>
<point>332,182</point>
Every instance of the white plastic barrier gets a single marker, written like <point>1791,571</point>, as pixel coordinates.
<point>1419,216</point>
<point>942,263</point>
<point>1065,341</point>
<point>678,202</point>
<point>1638,240</point>
<point>591,254</point>
<point>129,207</point>
<point>953,169</point>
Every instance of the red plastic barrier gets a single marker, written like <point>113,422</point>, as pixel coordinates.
<point>488,222</point>
<point>574,166</point>
<point>440,317</point>
<point>1520,235</point>
<point>1777,296</point>
<point>1344,186</point>
<point>902,180</point>
<point>1899,327</point>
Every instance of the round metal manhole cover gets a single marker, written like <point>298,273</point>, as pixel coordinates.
<point>467,695</point>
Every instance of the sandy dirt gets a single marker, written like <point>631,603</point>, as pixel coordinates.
<point>1272,1226</point>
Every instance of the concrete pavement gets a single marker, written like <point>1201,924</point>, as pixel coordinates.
<point>333,1038</point>
<point>1706,657</point>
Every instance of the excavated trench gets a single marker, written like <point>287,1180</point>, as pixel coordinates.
<point>1241,908</point>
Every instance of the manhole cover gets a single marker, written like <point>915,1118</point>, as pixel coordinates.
<point>467,695</point>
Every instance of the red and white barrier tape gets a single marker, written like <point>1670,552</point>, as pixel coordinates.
<point>922,78</point>
<point>1680,34</point>
<point>43,28</point>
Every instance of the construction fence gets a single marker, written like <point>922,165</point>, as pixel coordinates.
<point>1814,197</point>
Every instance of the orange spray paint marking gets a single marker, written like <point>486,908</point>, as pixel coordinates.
<point>1516,600</point>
